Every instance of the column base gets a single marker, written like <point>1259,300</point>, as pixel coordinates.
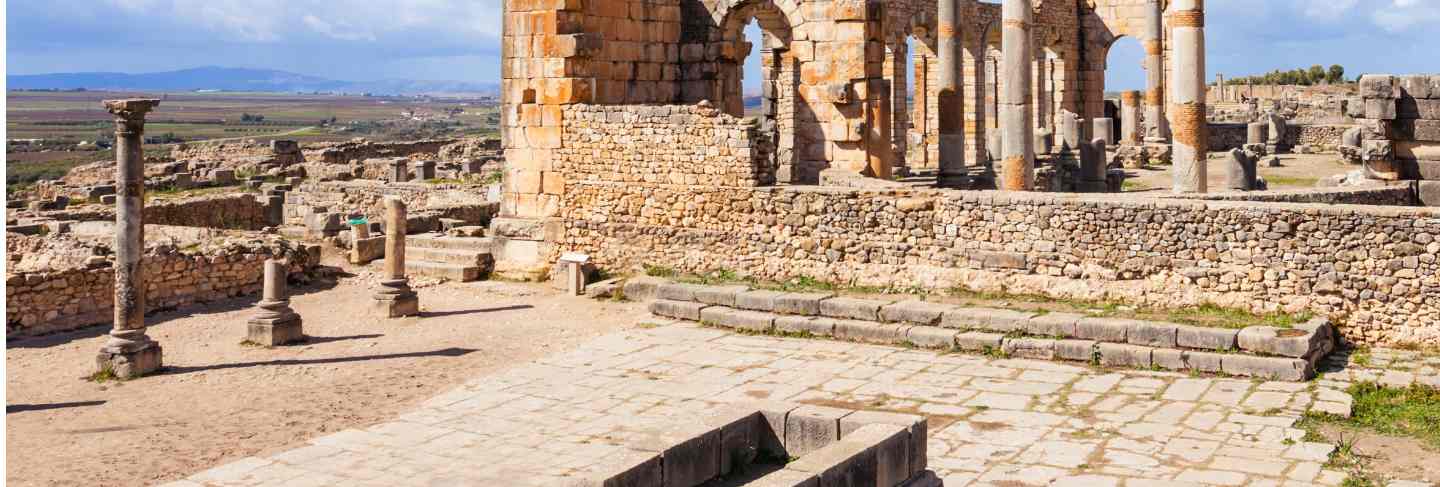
<point>130,364</point>
<point>1091,186</point>
<point>397,305</point>
<point>272,332</point>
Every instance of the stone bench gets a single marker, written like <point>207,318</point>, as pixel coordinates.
<point>1256,351</point>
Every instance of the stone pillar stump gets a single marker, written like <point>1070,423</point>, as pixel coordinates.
<point>274,322</point>
<point>394,298</point>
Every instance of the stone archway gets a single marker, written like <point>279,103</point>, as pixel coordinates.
<point>779,81</point>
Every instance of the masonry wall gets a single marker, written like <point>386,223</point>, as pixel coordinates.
<point>66,299</point>
<point>1323,138</point>
<point>241,211</point>
<point>1372,269</point>
<point>673,144</point>
<point>1394,194</point>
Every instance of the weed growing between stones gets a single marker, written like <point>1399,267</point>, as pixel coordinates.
<point>1412,412</point>
<point>105,374</point>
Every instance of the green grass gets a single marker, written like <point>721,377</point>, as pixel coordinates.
<point>1411,412</point>
<point>1215,316</point>
<point>1277,181</point>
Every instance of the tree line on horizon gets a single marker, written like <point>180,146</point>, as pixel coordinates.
<point>1314,75</point>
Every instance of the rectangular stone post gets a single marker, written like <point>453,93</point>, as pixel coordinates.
<point>394,298</point>
<point>275,323</point>
<point>128,352</point>
<point>399,171</point>
<point>1191,131</point>
<point>425,170</point>
<point>1130,118</point>
<point>1157,129</point>
<point>1017,153</point>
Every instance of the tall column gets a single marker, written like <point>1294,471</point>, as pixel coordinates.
<point>1191,132</point>
<point>1130,118</point>
<point>1156,129</point>
<point>899,105</point>
<point>394,298</point>
<point>275,323</point>
<point>1041,93</point>
<point>129,352</point>
<point>1017,153</point>
<point>950,41</point>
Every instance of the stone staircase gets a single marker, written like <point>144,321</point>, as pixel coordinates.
<point>461,259</point>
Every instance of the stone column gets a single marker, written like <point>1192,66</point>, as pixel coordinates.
<point>1191,131</point>
<point>950,41</point>
<point>1255,133</point>
<point>1240,174</point>
<point>1220,87</point>
<point>395,299</point>
<point>899,105</point>
<point>1103,128</point>
<point>275,210</point>
<point>399,170</point>
<point>129,352</point>
<point>1070,135</point>
<point>1017,153</point>
<point>1157,129</point>
<point>1130,118</point>
<point>1092,167</point>
<point>274,322</point>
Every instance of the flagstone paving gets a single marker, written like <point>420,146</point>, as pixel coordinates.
<point>993,421</point>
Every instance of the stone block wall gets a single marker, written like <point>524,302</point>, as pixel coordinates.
<point>1400,121</point>
<point>77,297</point>
<point>1321,138</point>
<point>346,152</point>
<point>673,144</point>
<point>1371,269</point>
<point>240,211</point>
<point>1394,194</point>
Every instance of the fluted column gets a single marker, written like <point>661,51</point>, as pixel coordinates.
<point>1017,153</point>
<point>1190,131</point>
<point>1157,129</point>
<point>1130,118</point>
<point>128,352</point>
<point>952,100</point>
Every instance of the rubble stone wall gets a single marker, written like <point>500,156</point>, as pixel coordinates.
<point>1322,138</point>
<point>242,211</point>
<point>673,144</point>
<point>346,152</point>
<point>66,299</point>
<point>1397,194</point>
<point>1372,269</point>
<point>366,197</point>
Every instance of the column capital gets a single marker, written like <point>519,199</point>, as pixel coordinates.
<point>131,109</point>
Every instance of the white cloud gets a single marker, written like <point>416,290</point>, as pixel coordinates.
<point>344,20</point>
<point>341,30</point>
<point>1327,9</point>
<point>1401,15</point>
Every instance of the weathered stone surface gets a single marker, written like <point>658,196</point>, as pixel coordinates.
<point>851,308</point>
<point>677,291</point>
<point>1168,358</point>
<point>1077,350</point>
<point>1292,342</point>
<point>1034,348</point>
<point>689,453</point>
<point>1058,325</point>
<point>1206,338</point>
<point>1102,329</point>
<point>1203,361</point>
<point>915,426</point>
<point>800,303</point>
<point>642,288</point>
<point>1001,320</point>
<point>805,324</point>
<point>890,444</point>
<point>914,312</point>
<point>719,295</point>
<point>977,341</point>
<point>1152,334</point>
<point>1272,368</point>
<point>809,428</point>
<point>740,428</point>
<point>1121,355</point>
<point>870,331</point>
<point>757,300</point>
<point>931,337</point>
<point>683,310</point>
<point>756,321</point>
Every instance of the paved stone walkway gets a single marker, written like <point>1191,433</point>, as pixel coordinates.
<point>993,421</point>
<point>1384,366</point>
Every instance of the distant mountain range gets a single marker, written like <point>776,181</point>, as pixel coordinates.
<point>238,79</point>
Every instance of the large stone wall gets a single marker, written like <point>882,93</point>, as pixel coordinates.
<point>65,299</point>
<point>1372,269</point>
<point>674,144</point>
<point>1394,194</point>
<point>240,211</point>
<point>344,153</point>
<point>1320,138</point>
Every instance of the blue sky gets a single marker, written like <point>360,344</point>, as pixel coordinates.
<point>363,40</point>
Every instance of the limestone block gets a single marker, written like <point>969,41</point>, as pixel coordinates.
<point>1120,355</point>
<point>1102,329</point>
<point>1000,320</point>
<point>1381,86</point>
<point>915,312</point>
<point>1269,340</point>
<point>1032,348</point>
<point>1417,130</point>
<point>1078,350</point>
<point>977,341</point>
<point>1168,358</point>
<point>890,444</point>
<point>852,308</point>
<point>1206,338</point>
<point>870,331</point>
<point>740,429</point>
<point>1416,86</point>
<point>627,467</point>
<point>1061,325</point>
<point>805,324</point>
<point>809,428</point>
<point>737,319</point>
<point>786,478</point>
<point>719,295</point>
<point>931,337</point>
<point>1410,108</point>
<point>642,288</point>
<point>1429,192</point>
<point>916,427</point>
<point>677,291</point>
<point>1273,368</point>
<point>757,300</point>
<point>682,310</point>
<point>1203,361</point>
<point>1380,109</point>
<point>1152,334</point>
<point>807,304</point>
<point>689,452</point>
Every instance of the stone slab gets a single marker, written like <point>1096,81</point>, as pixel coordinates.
<point>1056,325</point>
<point>682,310</point>
<point>757,300</point>
<point>870,331</point>
<point>914,312</point>
<point>1206,338</point>
<point>809,428</point>
<point>1272,368</point>
<point>642,288</point>
<point>979,341</point>
<point>1203,361</point>
<point>1077,350</point>
<point>719,295</point>
<point>1102,330</point>
<point>852,308</point>
<point>1031,348</point>
<point>916,426</point>
<point>805,324</point>
<point>1123,355</point>
<point>987,319</point>
<point>1292,342</point>
<point>807,304</point>
<point>931,337</point>
<point>1168,358</point>
<point>1151,334</point>
<point>756,321</point>
<point>677,291</point>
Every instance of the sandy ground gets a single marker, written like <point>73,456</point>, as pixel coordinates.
<point>218,401</point>
<point>1297,171</point>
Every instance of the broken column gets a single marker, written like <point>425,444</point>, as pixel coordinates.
<point>395,299</point>
<point>274,322</point>
<point>1190,130</point>
<point>1092,167</point>
<point>1239,171</point>
<point>1103,128</point>
<point>1255,133</point>
<point>128,352</point>
<point>1156,129</point>
<point>1130,131</point>
<point>1069,133</point>
<point>1017,154</point>
<point>399,170</point>
<point>952,105</point>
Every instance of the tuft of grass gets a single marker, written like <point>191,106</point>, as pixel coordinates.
<point>105,374</point>
<point>659,271</point>
<point>249,343</point>
<point>1277,181</point>
<point>1215,316</point>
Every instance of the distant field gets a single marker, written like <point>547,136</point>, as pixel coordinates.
<point>64,119</point>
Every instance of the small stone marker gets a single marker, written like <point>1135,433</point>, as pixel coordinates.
<point>395,299</point>
<point>575,272</point>
<point>425,170</point>
<point>275,323</point>
<point>399,171</point>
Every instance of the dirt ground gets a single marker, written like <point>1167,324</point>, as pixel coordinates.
<point>219,401</point>
<point>1297,171</point>
<point>1392,457</point>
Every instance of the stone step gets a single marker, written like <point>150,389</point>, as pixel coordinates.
<point>450,256</point>
<point>454,272</point>
<point>437,241</point>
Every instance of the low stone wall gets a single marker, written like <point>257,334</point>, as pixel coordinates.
<point>1320,138</point>
<point>242,211</point>
<point>346,152</point>
<point>674,144</point>
<point>1399,194</point>
<point>66,299</point>
<point>1372,270</point>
